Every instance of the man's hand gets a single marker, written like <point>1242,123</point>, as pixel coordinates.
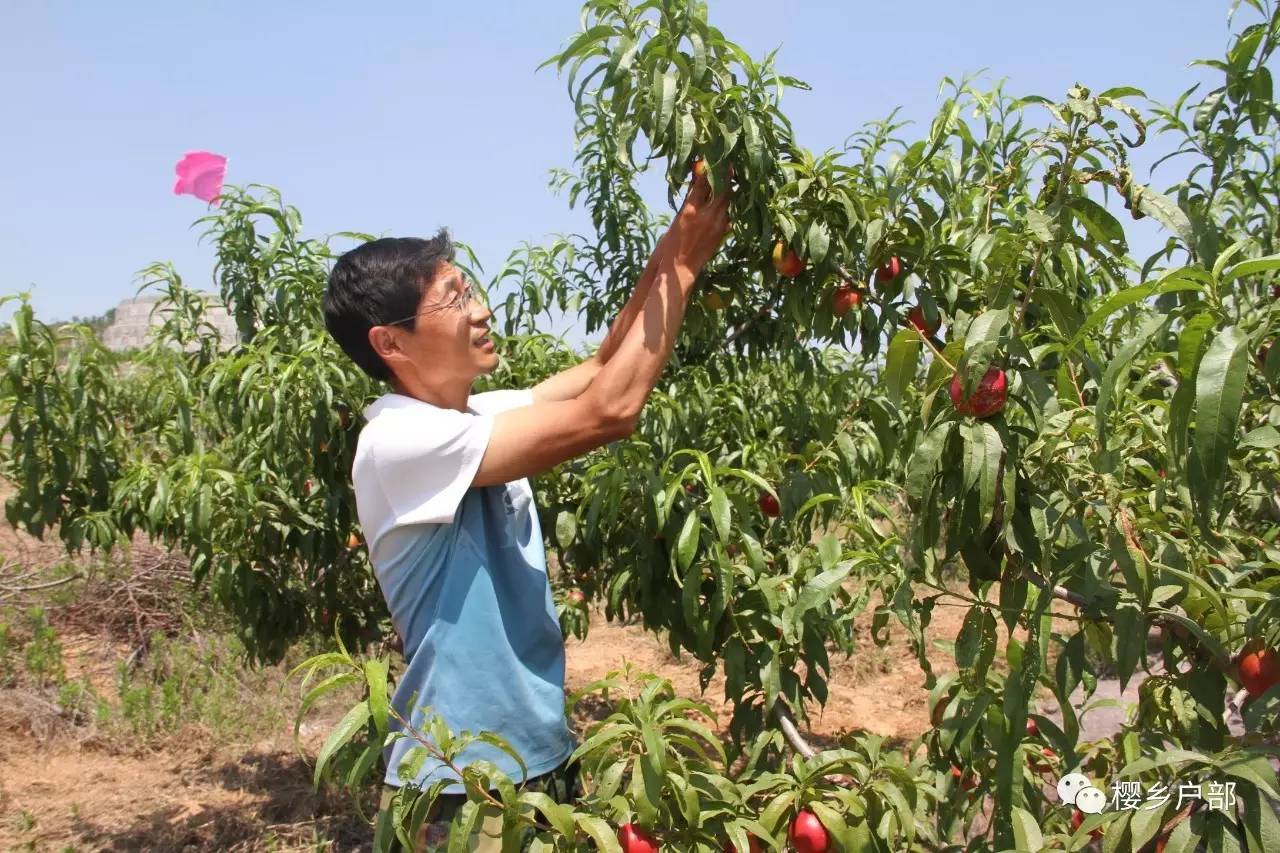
<point>700,226</point>
<point>694,236</point>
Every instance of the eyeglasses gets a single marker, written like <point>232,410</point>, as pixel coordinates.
<point>460,304</point>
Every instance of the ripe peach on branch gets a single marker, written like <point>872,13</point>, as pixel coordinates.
<point>807,834</point>
<point>889,270</point>
<point>987,399</point>
<point>845,298</point>
<point>786,261</point>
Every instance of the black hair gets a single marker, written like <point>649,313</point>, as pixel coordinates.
<point>377,283</point>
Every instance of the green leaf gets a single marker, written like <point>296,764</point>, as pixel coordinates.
<point>1041,226</point>
<point>975,453</point>
<point>967,641</point>
<point>655,751</point>
<point>466,820</point>
<point>1246,44</point>
<point>1225,256</point>
<point>597,741</point>
<point>989,482</point>
<point>1117,375</point>
<point>1260,823</point>
<point>348,727</point>
<point>1190,349</point>
<point>813,502</point>
<point>1260,99</point>
<point>1145,824</point>
<point>1256,770</point>
<point>375,672</point>
<point>818,241</point>
<point>986,329</point>
<point>598,831</point>
<point>721,514</point>
<point>1219,394</point>
<point>699,56</point>
<point>359,772</point>
<point>1178,280</point>
<point>831,819</point>
<point>755,146</point>
<point>1122,92</point>
<point>412,762</point>
<point>829,551</point>
<point>622,58</point>
<point>771,817</point>
<point>330,684</point>
<point>1061,309</point>
<point>686,128</point>
<point>924,462</point>
<point>939,373</point>
<point>691,597</point>
<point>901,363</point>
<point>1165,210</point>
<point>1205,639</point>
<point>581,44</point>
<point>1101,225</point>
<point>687,544</point>
<point>1026,831</point>
<point>1251,267</point>
<point>1131,637</point>
<point>755,553</point>
<point>667,89</point>
<point>1184,839</point>
<point>750,477</point>
<point>1191,343</point>
<point>566,528</point>
<point>1264,437</point>
<point>820,589</point>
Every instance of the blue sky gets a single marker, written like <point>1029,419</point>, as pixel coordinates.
<point>397,118</point>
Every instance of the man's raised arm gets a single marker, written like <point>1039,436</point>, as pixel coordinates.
<point>574,380</point>
<point>532,439</point>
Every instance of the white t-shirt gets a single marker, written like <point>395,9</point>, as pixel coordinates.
<point>463,571</point>
<point>414,461</point>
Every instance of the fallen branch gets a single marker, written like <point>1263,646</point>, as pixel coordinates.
<point>10,590</point>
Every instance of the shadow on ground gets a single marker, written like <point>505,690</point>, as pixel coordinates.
<point>288,815</point>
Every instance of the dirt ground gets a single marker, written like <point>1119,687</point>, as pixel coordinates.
<point>62,788</point>
<point>876,690</point>
<point>194,794</point>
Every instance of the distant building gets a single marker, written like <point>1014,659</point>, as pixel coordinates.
<point>136,317</point>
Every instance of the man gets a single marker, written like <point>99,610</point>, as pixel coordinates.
<point>442,490</point>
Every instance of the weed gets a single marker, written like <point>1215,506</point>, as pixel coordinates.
<point>43,652</point>
<point>186,682</point>
<point>79,700</point>
<point>7,645</point>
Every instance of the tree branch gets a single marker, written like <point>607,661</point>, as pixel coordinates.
<point>1079,601</point>
<point>1171,824</point>
<point>787,722</point>
<point>1060,592</point>
<point>751,321</point>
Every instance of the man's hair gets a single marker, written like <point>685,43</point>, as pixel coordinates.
<point>377,283</point>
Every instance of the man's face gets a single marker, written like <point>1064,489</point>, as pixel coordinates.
<point>450,339</point>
